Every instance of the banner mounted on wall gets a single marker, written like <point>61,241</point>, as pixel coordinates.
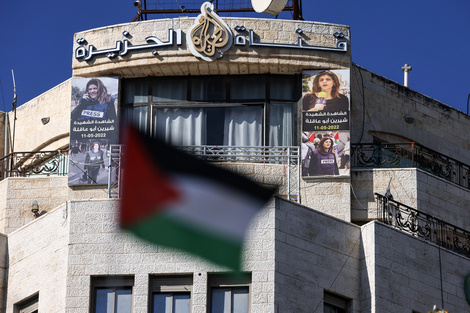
<point>325,123</point>
<point>93,127</point>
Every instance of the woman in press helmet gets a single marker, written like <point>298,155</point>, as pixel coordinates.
<point>323,160</point>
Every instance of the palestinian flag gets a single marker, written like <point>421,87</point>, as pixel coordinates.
<point>312,137</point>
<point>173,199</point>
<point>336,138</point>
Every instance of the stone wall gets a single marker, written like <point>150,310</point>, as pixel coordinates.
<point>98,247</point>
<point>37,257</point>
<point>446,201</point>
<point>365,183</point>
<point>31,134</point>
<point>406,273</point>
<point>314,252</point>
<point>328,195</point>
<point>17,194</point>
<point>3,270</point>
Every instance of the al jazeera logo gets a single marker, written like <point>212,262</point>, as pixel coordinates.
<point>210,36</point>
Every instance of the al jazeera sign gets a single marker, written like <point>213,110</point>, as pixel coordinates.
<point>208,38</point>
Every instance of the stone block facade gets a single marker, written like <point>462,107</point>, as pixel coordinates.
<point>406,273</point>
<point>3,270</point>
<point>37,263</point>
<point>19,193</point>
<point>31,134</point>
<point>294,254</point>
<point>314,253</point>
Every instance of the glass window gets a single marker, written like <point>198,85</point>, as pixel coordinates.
<point>230,110</point>
<point>208,89</point>
<point>29,305</point>
<point>229,126</point>
<point>170,294</point>
<point>112,294</point>
<point>136,115</point>
<point>248,88</point>
<point>333,303</point>
<point>136,91</point>
<point>281,124</point>
<point>230,300</point>
<point>171,302</point>
<point>229,294</point>
<point>282,87</point>
<point>169,90</point>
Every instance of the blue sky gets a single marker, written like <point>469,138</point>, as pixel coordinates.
<point>430,35</point>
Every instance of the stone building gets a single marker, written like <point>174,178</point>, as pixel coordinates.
<point>325,243</point>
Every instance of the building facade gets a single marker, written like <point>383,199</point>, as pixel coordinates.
<point>328,242</point>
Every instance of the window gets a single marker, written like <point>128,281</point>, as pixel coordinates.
<point>230,110</point>
<point>112,294</point>
<point>229,294</point>
<point>170,294</point>
<point>29,305</point>
<point>333,303</point>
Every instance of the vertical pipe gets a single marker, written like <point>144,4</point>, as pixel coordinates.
<point>288,174</point>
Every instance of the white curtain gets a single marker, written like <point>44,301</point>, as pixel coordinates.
<point>243,126</point>
<point>281,124</point>
<point>181,126</point>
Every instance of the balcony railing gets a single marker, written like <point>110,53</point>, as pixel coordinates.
<point>289,156</point>
<point>423,225</point>
<point>42,163</point>
<point>401,155</point>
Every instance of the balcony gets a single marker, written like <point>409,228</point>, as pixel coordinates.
<point>286,157</point>
<point>400,155</point>
<point>42,163</point>
<point>403,155</point>
<point>422,225</point>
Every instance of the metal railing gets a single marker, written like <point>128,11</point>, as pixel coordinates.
<point>422,225</point>
<point>115,170</point>
<point>288,156</point>
<point>41,163</point>
<point>401,155</point>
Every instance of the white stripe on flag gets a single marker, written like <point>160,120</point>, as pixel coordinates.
<point>213,206</point>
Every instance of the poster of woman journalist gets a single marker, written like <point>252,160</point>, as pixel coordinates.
<point>325,123</point>
<point>93,127</point>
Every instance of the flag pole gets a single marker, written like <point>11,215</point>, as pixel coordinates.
<point>14,111</point>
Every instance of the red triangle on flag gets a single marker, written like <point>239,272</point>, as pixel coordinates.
<point>312,137</point>
<point>146,190</point>
<point>336,136</point>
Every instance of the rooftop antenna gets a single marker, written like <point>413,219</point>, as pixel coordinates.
<point>406,68</point>
<point>186,7</point>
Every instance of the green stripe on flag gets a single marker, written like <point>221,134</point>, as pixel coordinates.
<point>168,231</point>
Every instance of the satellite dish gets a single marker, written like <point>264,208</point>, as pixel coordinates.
<point>273,7</point>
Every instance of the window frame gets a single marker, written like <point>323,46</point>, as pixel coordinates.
<point>124,282</point>
<point>174,284</point>
<point>28,305</point>
<point>223,280</point>
<point>265,103</point>
<point>336,301</point>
